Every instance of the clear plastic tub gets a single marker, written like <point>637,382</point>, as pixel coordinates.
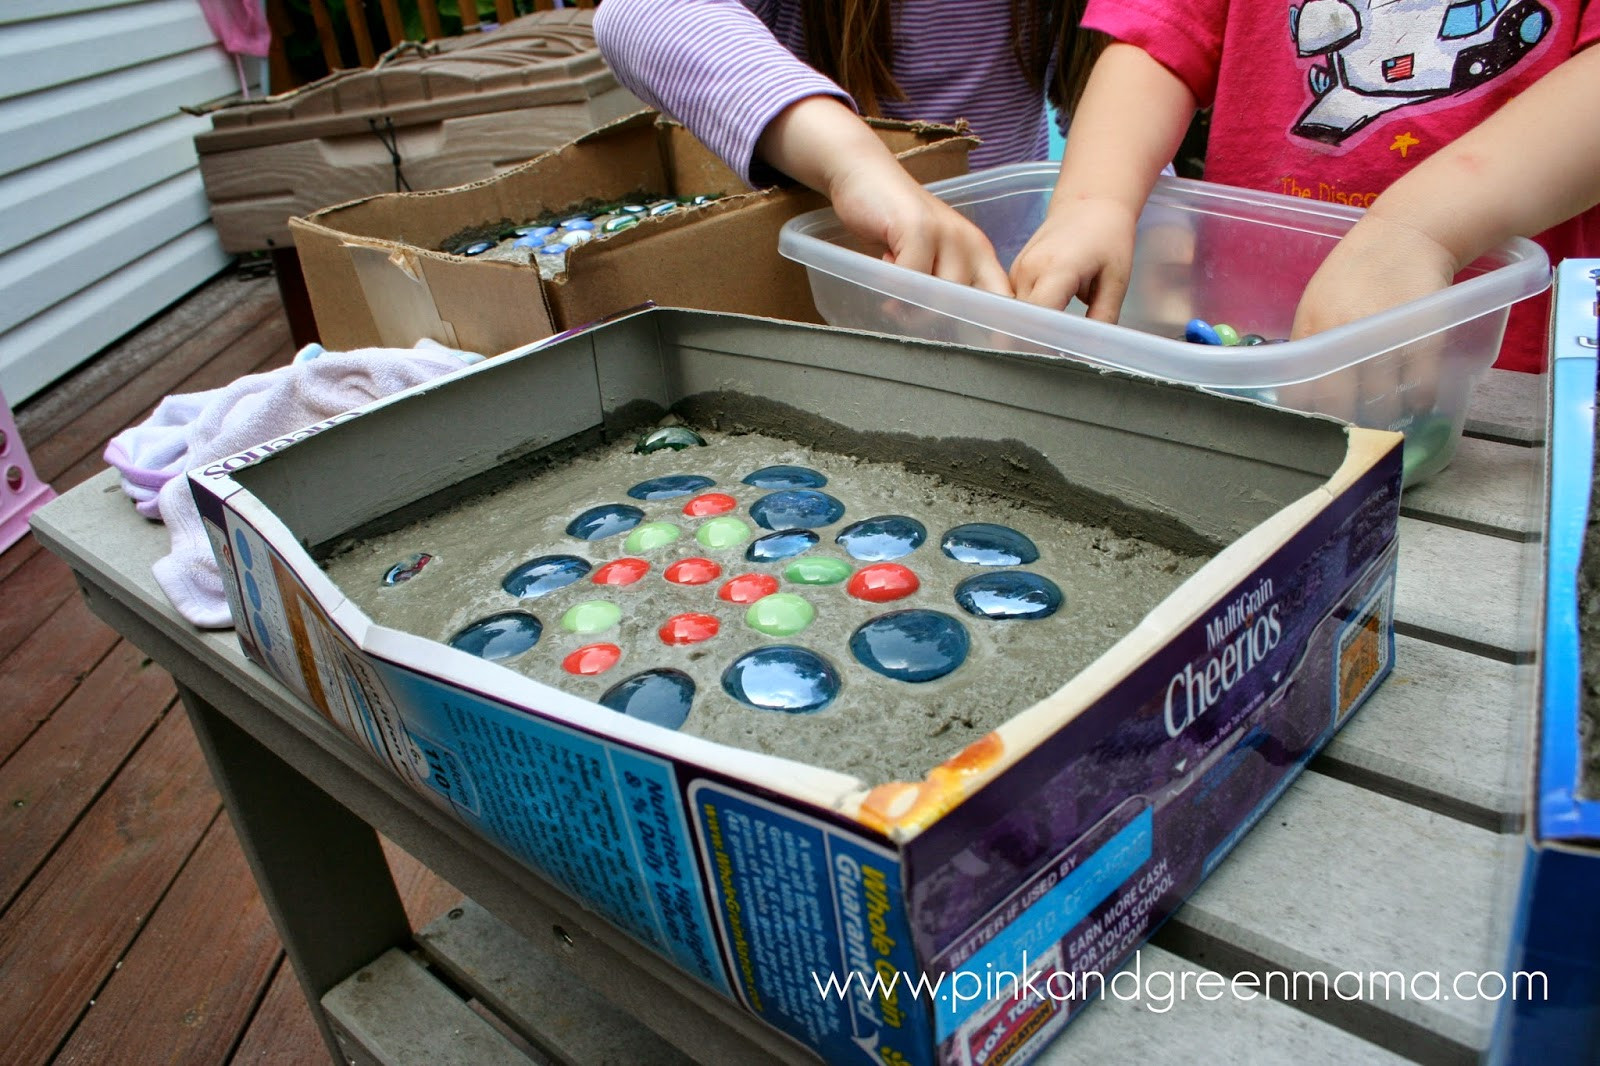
<point>1206,251</point>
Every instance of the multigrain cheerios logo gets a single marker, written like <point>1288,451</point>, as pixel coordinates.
<point>1239,638</point>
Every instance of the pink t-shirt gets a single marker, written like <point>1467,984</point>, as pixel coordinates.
<point>1333,100</point>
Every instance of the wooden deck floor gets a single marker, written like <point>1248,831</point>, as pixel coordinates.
<point>130,928</point>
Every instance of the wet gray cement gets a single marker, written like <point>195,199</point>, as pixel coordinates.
<point>877,728</point>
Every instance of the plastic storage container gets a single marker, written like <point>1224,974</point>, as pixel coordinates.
<point>1206,251</point>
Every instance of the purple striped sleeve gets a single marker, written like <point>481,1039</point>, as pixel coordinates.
<point>710,64</point>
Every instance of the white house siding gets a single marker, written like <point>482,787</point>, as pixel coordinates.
<point>103,218</point>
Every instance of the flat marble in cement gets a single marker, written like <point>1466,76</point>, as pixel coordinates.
<point>878,729</point>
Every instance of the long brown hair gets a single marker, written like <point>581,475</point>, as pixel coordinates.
<point>852,42</point>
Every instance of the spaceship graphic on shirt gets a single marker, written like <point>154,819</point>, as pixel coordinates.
<point>1381,55</point>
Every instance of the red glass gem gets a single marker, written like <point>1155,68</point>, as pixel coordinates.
<point>748,588</point>
<point>621,572</point>
<point>693,571</point>
<point>710,503</point>
<point>882,582</point>
<point>592,659</point>
<point>689,628</point>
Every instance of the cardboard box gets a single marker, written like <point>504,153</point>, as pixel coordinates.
<point>1554,1017</point>
<point>427,116</point>
<point>376,279</point>
<point>1053,845</point>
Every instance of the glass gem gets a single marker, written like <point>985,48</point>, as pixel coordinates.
<point>796,508</point>
<point>882,582</point>
<point>661,697</point>
<point>786,477</point>
<point>476,248</point>
<point>712,503</point>
<point>747,588</point>
<point>817,570</point>
<point>664,488</point>
<point>724,532</point>
<point>781,614</point>
<point>544,574</point>
<point>782,678</point>
<point>592,659</point>
<point>689,628</point>
<point>675,437</point>
<point>406,569</point>
<point>912,645</point>
<point>780,545</point>
<point>621,572</point>
<point>591,616</point>
<point>1199,331</point>
<point>1226,334</point>
<point>574,237</point>
<point>1009,594</point>
<point>621,222</point>
<point>579,222</point>
<point>694,571</point>
<point>986,544</point>
<point>1252,339</point>
<point>499,636</point>
<point>606,520</point>
<point>876,540</point>
<point>651,535</point>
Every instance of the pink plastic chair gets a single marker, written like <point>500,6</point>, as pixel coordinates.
<point>21,491</point>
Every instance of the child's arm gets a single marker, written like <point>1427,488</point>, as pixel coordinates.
<point>1531,164</point>
<point>822,144</point>
<point>1128,126</point>
<point>716,68</point>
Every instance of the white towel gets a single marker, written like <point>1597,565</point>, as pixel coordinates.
<point>189,430</point>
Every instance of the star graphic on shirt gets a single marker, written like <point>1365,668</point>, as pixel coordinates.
<point>1403,143</point>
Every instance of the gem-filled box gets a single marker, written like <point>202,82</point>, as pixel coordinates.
<point>1047,830</point>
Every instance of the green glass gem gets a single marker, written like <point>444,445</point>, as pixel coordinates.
<point>817,570</point>
<point>621,222</point>
<point>651,535</point>
<point>724,532</point>
<point>781,614</point>
<point>1226,334</point>
<point>591,616</point>
<point>675,437</point>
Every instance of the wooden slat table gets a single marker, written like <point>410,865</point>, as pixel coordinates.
<point>1397,850</point>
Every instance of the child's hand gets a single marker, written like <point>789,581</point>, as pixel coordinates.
<point>885,206</point>
<point>1083,249</point>
<point>1381,263</point>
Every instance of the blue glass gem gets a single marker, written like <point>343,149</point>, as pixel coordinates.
<point>406,569</point>
<point>664,488</point>
<point>499,636</point>
<point>477,247</point>
<point>544,574</point>
<point>577,223</point>
<point>1199,331</point>
<point>877,540</point>
<point>781,545</point>
<point>1009,594</point>
<point>534,231</point>
<point>675,437</point>
<point>796,508</point>
<point>912,645</point>
<point>782,677</point>
<point>986,544</point>
<point>662,697</point>
<point>606,520</point>
<point>786,477</point>
<point>529,241</point>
